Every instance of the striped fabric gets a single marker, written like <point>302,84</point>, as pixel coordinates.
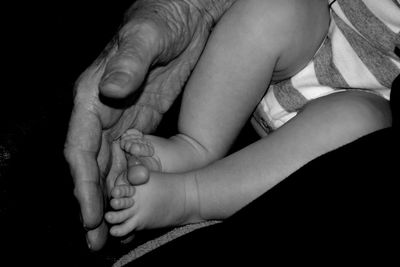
<point>357,54</point>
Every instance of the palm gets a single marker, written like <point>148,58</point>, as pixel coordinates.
<point>94,126</point>
<point>162,86</point>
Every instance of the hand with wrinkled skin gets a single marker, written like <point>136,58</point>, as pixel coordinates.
<point>131,85</point>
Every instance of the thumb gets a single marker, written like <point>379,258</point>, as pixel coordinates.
<point>134,50</point>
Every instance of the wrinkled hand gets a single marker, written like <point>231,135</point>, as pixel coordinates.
<point>131,85</point>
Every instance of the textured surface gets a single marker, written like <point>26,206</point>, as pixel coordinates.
<point>157,242</point>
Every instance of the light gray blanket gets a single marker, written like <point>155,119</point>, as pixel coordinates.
<point>159,241</point>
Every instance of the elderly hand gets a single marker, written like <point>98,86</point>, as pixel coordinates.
<point>131,85</point>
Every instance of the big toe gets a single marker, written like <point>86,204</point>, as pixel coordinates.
<point>138,175</point>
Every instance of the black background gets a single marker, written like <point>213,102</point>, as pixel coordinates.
<point>45,48</point>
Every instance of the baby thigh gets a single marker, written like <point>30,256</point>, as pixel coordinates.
<point>254,40</point>
<point>343,117</point>
<point>291,31</point>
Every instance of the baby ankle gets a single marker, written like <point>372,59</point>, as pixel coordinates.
<point>192,199</point>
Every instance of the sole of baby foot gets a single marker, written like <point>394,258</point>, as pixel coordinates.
<point>158,203</point>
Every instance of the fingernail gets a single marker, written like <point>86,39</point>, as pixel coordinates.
<point>82,221</point>
<point>118,78</point>
<point>88,242</point>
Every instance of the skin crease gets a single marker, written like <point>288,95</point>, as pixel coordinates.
<point>222,188</point>
<point>222,85</point>
<point>155,40</point>
<point>161,33</point>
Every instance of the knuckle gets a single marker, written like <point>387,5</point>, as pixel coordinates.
<point>69,154</point>
<point>77,193</point>
<point>138,35</point>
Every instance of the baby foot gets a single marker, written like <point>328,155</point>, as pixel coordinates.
<point>159,203</point>
<point>136,144</point>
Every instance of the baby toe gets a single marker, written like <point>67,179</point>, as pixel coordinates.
<point>114,217</point>
<point>121,203</point>
<point>140,148</point>
<point>133,132</point>
<point>123,229</point>
<point>121,180</point>
<point>126,144</point>
<point>121,191</point>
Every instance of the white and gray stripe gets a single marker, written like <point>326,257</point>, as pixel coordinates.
<point>357,54</point>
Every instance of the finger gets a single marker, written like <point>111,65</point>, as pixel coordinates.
<point>118,170</point>
<point>82,145</point>
<point>125,71</point>
<point>138,175</point>
<point>121,203</point>
<point>97,238</point>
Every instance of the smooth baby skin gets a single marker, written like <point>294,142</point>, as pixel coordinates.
<point>219,98</point>
<point>224,89</point>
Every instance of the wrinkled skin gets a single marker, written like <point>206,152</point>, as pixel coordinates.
<point>131,85</point>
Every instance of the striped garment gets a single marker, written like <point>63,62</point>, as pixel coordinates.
<point>357,54</point>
